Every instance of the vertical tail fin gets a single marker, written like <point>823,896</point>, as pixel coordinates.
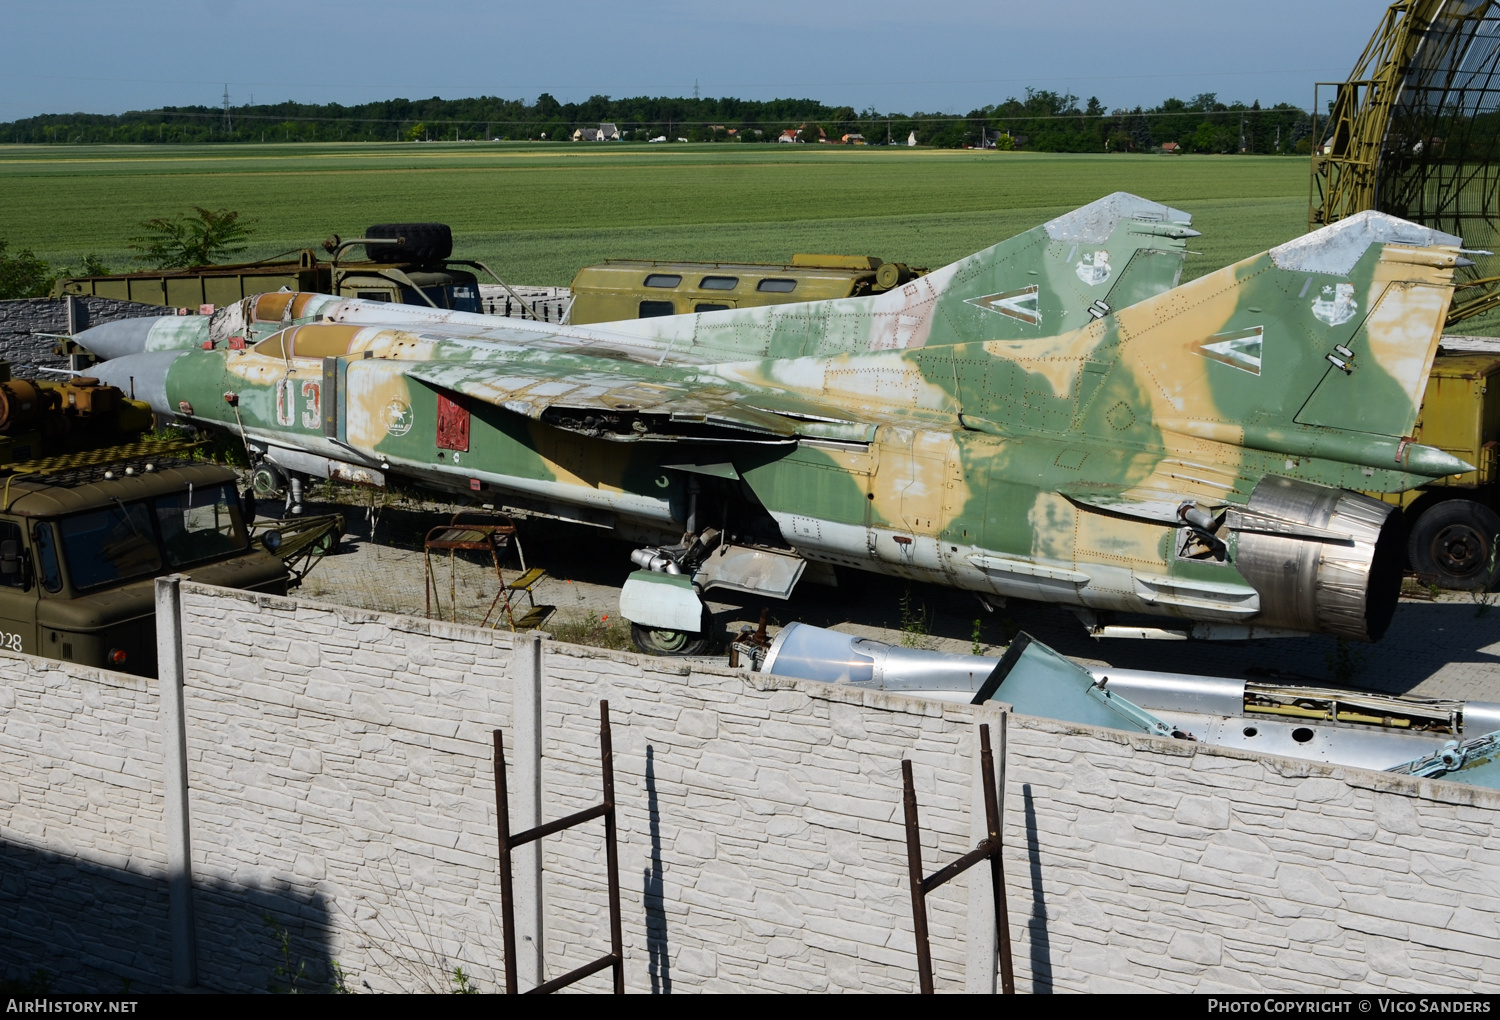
<point>1334,330</point>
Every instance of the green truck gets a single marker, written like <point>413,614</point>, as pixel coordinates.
<point>92,510</point>
<point>407,263</point>
<point>83,538</point>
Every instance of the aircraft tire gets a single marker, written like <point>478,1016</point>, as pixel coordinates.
<point>670,642</point>
<point>1455,544</point>
<point>425,242</point>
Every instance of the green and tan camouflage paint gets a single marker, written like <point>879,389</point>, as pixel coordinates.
<point>966,451</point>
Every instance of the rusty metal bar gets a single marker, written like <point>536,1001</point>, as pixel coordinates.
<point>576,975</point>
<point>997,864</point>
<point>914,868</point>
<point>611,851</point>
<point>576,818</point>
<point>982,852</point>
<point>507,895</point>
<point>615,958</point>
<point>988,849</point>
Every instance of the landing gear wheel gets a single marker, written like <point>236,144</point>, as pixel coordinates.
<point>670,642</point>
<point>1454,543</point>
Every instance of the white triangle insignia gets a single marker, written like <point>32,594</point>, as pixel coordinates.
<point>1240,348</point>
<point>1023,304</point>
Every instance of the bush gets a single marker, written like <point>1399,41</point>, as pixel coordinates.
<point>187,241</point>
<point>23,275</point>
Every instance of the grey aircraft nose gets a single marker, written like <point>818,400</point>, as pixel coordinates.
<point>145,375</point>
<point>117,339</point>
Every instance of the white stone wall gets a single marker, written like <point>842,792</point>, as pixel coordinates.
<point>776,857</point>
<point>339,770</point>
<point>1183,868</point>
<point>82,858</point>
<point>341,787</point>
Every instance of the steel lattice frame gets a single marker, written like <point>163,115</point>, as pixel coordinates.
<point>1415,132</point>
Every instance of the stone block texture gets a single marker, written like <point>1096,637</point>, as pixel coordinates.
<point>82,852</point>
<point>342,796</point>
<point>22,320</point>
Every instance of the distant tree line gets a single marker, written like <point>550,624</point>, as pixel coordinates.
<point>1043,121</point>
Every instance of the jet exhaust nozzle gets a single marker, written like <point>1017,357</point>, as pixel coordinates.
<point>1346,588</point>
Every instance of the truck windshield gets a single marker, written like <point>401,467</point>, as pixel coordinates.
<point>131,540</point>
<point>200,524</point>
<point>457,297</point>
<point>111,545</point>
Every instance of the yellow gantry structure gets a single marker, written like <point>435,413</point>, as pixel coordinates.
<point>1415,132</point>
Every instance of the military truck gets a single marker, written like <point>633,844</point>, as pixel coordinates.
<point>83,537</point>
<point>407,263</point>
<point>92,511</point>
<point>1453,530</point>
<point>638,289</point>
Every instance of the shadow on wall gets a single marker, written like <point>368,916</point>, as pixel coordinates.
<point>93,928</point>
<point>660,965</point>
<point>1036,925</point>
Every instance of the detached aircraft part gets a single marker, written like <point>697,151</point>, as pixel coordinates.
<point>1361,729</point>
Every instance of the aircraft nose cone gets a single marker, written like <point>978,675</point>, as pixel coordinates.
<point>143,374</point>
<point>117,339</point>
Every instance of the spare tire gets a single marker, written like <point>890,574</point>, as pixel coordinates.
<point>1453,544</point>
<point>424,242</point>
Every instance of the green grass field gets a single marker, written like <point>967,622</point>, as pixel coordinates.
<point>537,213</point>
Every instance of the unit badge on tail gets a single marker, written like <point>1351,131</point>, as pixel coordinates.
<point>1093,269</point>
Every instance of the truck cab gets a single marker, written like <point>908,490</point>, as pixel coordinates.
<point>82,544</point>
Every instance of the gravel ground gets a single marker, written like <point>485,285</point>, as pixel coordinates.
<point>1448,647</point>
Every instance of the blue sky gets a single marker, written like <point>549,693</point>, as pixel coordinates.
<point>947,56</point>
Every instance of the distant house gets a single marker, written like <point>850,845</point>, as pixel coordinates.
<point>853,138</point>
<point>789,136</point>
<point>1170,148</point>
<point>805,134</point>
<point>608,133</point>
<point>586,135</point>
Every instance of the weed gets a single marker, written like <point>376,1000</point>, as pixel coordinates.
<point>1484,601</point>
<point>285,979</point>
<point>340,983</point>
<point>915,622</point>
<point>607,631</point>
<point>1345,662</point>
<point>463,984</point>
<point>39,982</point>
<point>978,625</point>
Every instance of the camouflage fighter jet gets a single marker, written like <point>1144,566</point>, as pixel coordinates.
<point>1108,254</point>
<point>1189,455</point>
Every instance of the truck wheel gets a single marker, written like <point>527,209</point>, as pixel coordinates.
<point>425,242</point>
<point>1454,542</point>
<point>670,642</point>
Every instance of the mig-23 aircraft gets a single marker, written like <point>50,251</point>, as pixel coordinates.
<point>1181,451</point>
